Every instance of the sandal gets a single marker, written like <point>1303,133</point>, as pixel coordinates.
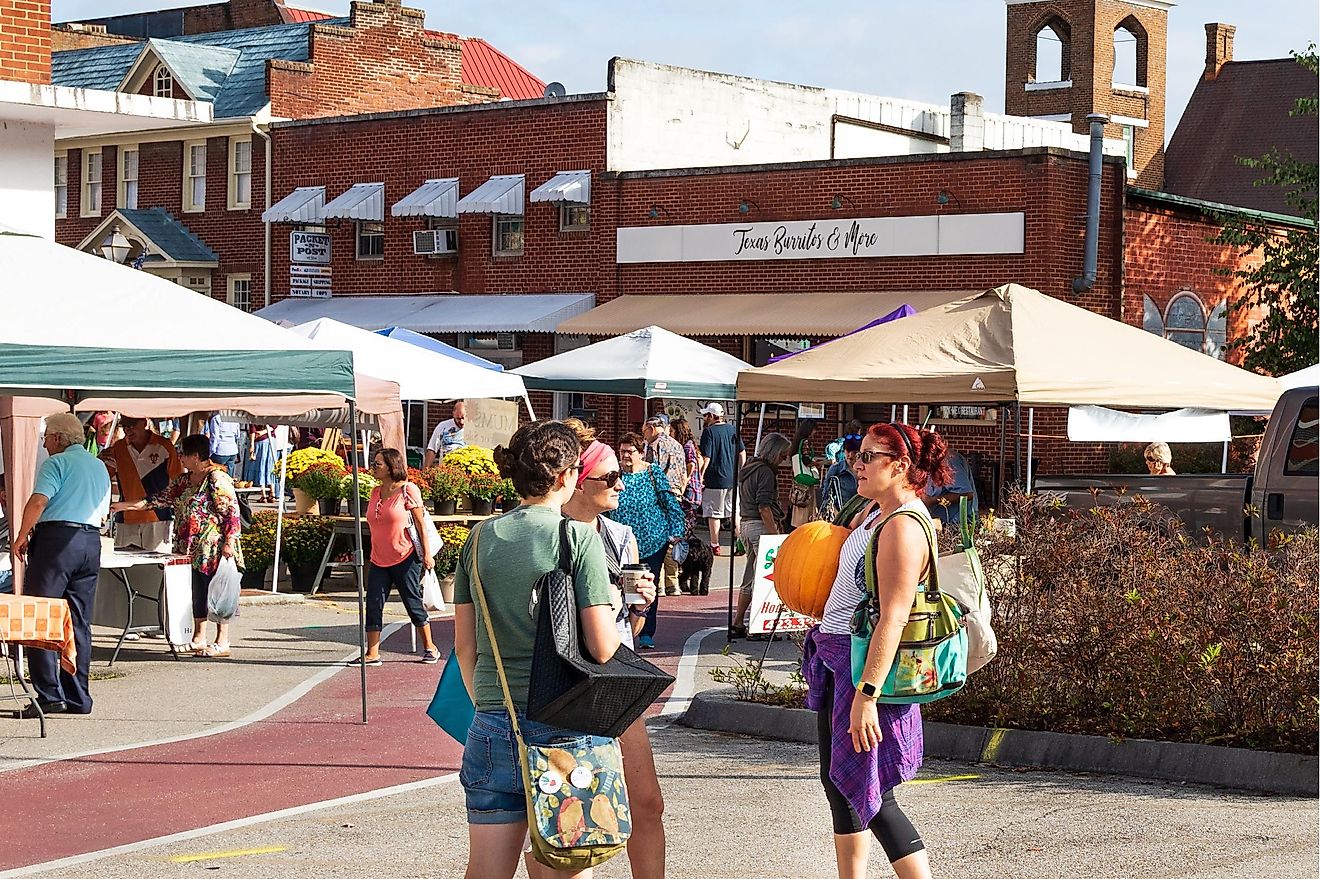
<point>370,662</point>
<point>215,651</point>
<point>197,649</point>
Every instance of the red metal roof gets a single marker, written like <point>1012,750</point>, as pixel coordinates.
<point>485,65</point>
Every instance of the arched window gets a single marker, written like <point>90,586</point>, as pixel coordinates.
<point>1151,319</point>
<point>1052,51</point>
<point>1185,321</point>
<point>1129,53</point>
<point>163,83</point>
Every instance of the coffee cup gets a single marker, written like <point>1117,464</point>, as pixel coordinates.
<point>629,578</point>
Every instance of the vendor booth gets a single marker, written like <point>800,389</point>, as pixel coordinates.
<point>108,336</point>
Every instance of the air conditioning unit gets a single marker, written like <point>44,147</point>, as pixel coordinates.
<point>429,242</point>
<point>506,341</point>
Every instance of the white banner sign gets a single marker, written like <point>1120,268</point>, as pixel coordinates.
<point>310,281</point>
<point>489,423</point>
<point>309,247</point>
<point>933,235</point>
<point>766,605</point>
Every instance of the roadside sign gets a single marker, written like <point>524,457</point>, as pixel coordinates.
<point>765,600</point>
<point>309,247</point>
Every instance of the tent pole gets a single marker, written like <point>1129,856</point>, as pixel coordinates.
<point>1003,437</point>
<point>279,515</point>
<point>1031,436</point>
<point>1017,429</point>
<point>357,564</point>
<point>756,446</point>
<point>733,524</point>
<point>893,412</point>
<point>1223,465</point>
<point>905,413</point>
<point>527,401</point>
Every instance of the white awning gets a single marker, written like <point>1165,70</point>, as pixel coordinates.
<point>569,186</point>
<point>362,201</point>
<point>501,194</point>
<point>439,313</point>
<point>1101,425</point>
<point>434,198</point>
<point>306,204</point>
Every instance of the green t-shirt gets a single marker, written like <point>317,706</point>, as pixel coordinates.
<point>517,548</point>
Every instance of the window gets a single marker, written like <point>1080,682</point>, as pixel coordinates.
<point>1129,54</point>
<point>128,177</point>
<point>1129,144</point>
<point>414,419</point>
<point>439,238</point>
<point>370,240</point>
<point>91,187</point>
<point>197,283</point>
<point>240,292</point>
<point>240,174</point>
<point>491,342</point>
<point>310,227</point>
<point>194,176</point>
<point>1051,53</point>
<point>62,186</point>
<point>574,217</point>
<point>1303,458</point>
<point>163,82</point>
<point>1184,321</point>
<point>508,238</point>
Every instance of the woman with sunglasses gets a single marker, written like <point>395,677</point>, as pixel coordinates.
<point>599,485</point>
<point>513,551</point>
<point>649,507</point>
<point>868,749</point>
<point>394,513</point>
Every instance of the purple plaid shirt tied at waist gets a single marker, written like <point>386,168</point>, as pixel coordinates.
<point>863,777</point>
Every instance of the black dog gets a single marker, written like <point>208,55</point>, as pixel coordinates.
<point>694,573</point>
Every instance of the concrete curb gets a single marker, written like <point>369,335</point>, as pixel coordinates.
<point>249,599</point>
<point>1261,771</point>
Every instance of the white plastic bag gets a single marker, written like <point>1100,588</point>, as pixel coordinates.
<point>222,594</point>
<point>431,532</point>
<point>432,598</point>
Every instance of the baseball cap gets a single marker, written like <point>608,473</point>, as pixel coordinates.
<point>659,418</point>
<point>712,409</point>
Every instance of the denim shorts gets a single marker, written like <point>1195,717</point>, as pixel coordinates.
<point>491,775</point>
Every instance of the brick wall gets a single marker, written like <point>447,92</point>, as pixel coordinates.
<point>232,15</point>
<point>63,38</point>
<point>1089,60</point>
<point>383,61</point>
<point>473,145</point>
<point>25,41</point>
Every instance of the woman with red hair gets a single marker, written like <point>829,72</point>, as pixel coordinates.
<point>868,749</point>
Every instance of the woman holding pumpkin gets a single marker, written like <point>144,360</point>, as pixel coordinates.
<point>868,749</point>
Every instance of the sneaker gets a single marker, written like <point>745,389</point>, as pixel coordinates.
<point>736,632</point>
<point>646,642</point>
<point>430,657</point>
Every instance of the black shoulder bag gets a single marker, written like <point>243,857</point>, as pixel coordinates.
<point>567,688</point>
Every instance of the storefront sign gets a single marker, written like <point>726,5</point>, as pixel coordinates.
<point>310,281</point>
<point>766,606</point>
<point>935,235</point>
<point>309,248</point>
<point>489,423</point>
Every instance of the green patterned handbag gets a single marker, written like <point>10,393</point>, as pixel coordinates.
<point>577,800</point>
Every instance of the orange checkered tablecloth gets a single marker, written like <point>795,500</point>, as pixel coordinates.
<point>39,622</point>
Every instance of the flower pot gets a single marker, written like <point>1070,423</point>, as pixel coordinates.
<point>302,501</point>
<point>481,506</point>
<point>302,577</point>
<point>330,506</point>
<point>254,579</point>
<point>447,589</point>
<point>445,507</point>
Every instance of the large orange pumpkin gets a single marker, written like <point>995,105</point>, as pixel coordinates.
<point>805,566</point>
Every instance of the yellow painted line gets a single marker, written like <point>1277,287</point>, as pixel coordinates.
<point>212,856</point>
<point>943,778</point>
<point>991,750</point>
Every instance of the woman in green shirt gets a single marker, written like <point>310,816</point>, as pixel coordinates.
<point>516,549</point>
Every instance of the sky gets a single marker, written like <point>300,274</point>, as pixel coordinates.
<point>922,50</point>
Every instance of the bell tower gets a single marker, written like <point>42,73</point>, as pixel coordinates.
<point>1067,59</point>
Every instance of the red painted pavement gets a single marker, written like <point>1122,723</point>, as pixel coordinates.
<point>308,752</point>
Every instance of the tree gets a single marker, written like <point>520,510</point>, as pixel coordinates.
<point>1284,285</point>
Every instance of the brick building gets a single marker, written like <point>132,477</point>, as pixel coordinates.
<point>190,202</point>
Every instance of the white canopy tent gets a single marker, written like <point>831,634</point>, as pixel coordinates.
<point>1302,378</point>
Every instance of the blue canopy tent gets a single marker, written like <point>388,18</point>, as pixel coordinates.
<point>404,334</point>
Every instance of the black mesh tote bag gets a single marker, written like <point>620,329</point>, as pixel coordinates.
<point>567,688</point>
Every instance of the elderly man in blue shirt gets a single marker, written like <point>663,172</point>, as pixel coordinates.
<point>60,540</point>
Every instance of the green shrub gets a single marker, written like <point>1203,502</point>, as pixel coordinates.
<point>1114,622</point>
<point>447,483</point>
<point>483,486</point>
<point>321,481</point>
<point>305,539</point>
<point>454,536</point>
<point>366,484</point>
<point>258,541</point>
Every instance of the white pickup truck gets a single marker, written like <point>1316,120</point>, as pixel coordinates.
<point>1282,494</point>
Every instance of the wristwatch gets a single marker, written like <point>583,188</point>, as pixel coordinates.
<point>868,689</point>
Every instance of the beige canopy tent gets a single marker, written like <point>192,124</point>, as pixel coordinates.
<point>1010,344</point>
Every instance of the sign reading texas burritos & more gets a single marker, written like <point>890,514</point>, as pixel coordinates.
<point>936,235</point>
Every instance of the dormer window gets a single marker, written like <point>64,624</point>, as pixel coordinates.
<point>163,82</point>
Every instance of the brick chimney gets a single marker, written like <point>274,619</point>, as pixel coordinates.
<point>966,123</point>
<point>25,43</point>
<point>1218,47</point>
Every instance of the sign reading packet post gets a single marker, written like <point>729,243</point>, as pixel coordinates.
<point>489,423</point>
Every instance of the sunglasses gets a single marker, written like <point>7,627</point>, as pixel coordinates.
<point>871,454</point>
<point>611,479</point>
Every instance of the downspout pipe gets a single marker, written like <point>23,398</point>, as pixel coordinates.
<point>1086,280</point>
<point>265,270</point>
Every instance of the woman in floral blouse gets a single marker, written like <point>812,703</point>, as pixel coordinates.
<point>206,527</point>
<point>649,507</point>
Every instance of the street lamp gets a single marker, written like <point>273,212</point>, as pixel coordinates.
<point>115,247</point>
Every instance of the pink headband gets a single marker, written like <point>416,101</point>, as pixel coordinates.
<point>595,453</point>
